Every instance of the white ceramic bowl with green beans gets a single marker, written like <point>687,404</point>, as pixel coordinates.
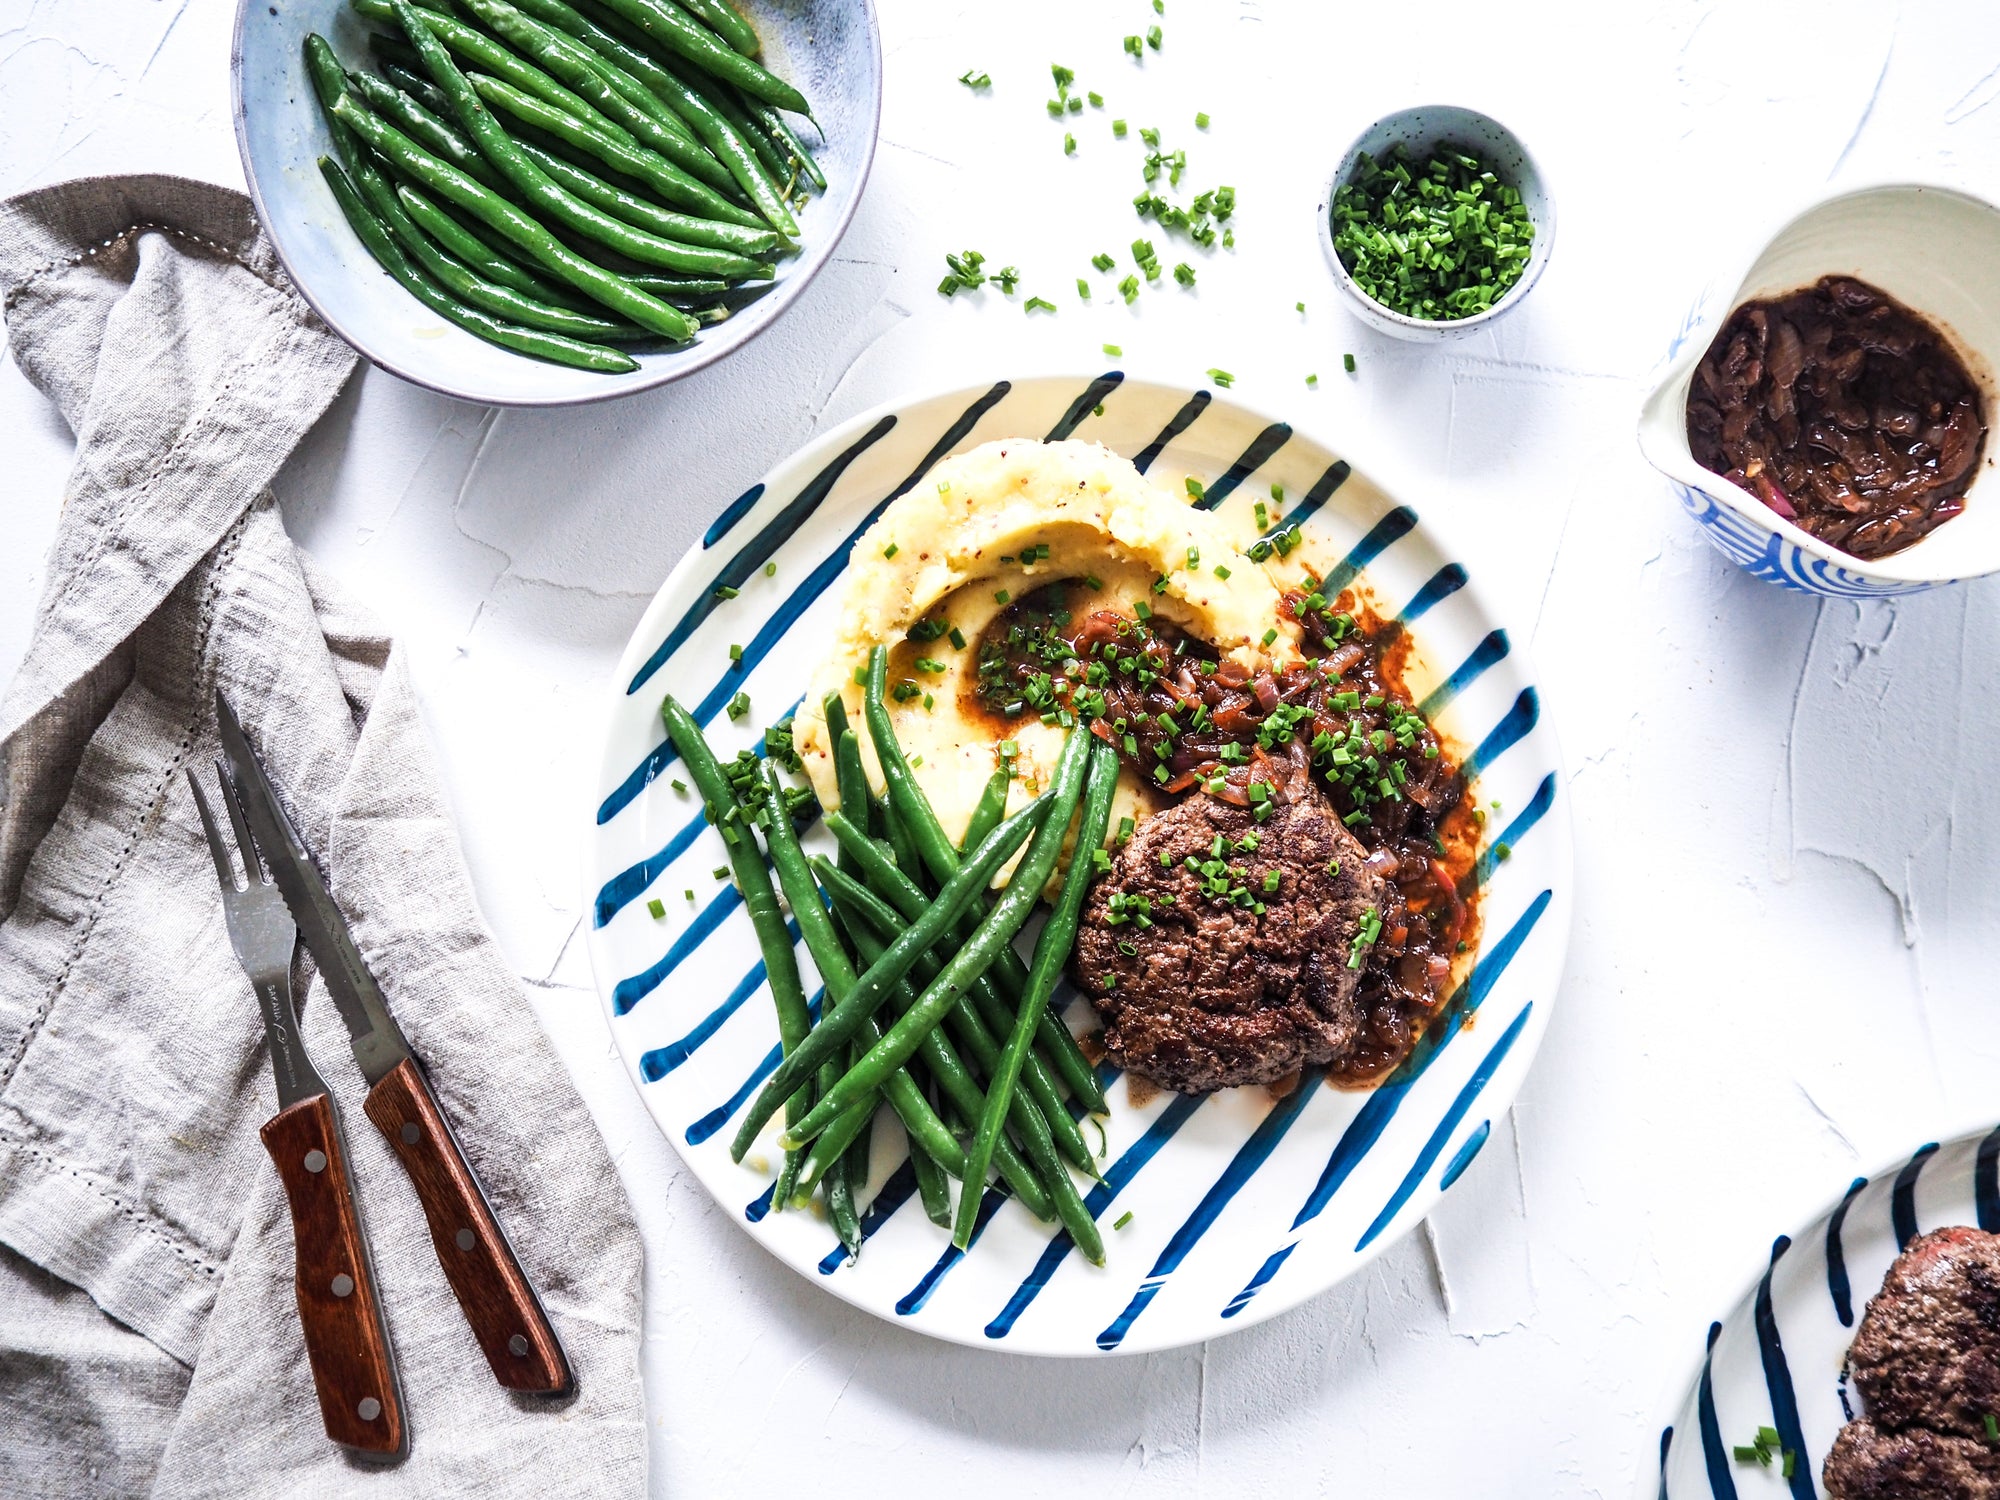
<point>548,202</point>
<point>1395,283</point>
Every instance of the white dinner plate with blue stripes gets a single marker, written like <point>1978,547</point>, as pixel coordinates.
<point>1777,1359</point>
<point>1240,1205</point>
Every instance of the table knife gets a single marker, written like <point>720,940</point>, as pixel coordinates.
<point>497,1298</point>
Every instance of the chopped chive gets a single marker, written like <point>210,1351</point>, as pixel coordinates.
<point>1069,144</point>
<point>1270,636</point>
<point>1118,129</point>
<point>1129,287</point>
<point>1992,1428</point>
<point>1184,274</point>
<point>1103,262</point>
<point>1096,99</point>
<point>1082,289</point>
<point>1300,306</point>
<point>1153,37</point>
<point>738,706</point>
<point>1312,380</point>
<point>958,637</point>
<point>770,570</point>
<point>678,785</point>
<point>725,592</point>
<point>720,872</point>
<point>1201,121</point>
<point>736,653</point>
<point>1197,492</point>
<point>1133,45</point>
<point>689,893</point>
<point>1001,596</point>
<point>974,80</point>
<point>916,760</point>
<point>1222,378</point>
<point>1122,1220</point>
<point>1347,363</point>
<point>657,908</point>
<point>1034,302</point>
<point>1221,571</point>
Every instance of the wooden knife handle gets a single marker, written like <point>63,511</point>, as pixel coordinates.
<point>499,1303</point>
<point>352,1368</point>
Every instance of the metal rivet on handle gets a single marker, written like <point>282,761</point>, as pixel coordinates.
<point>410,1133</point>
<point>343,1284</point>
<point>519,1344</point>
<point>315,1160</point>
<point>465,1239</point>
<point>369,1408</point>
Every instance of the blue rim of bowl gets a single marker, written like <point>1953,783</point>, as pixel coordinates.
<point>781,297</point>
<point>1545,234</point>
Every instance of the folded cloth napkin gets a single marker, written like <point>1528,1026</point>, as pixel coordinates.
<point>149,1340</point>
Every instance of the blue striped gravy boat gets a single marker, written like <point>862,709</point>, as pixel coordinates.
<point>1776,1360</point>
<point>1241,1206</point>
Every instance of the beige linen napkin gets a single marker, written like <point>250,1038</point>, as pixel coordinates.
<point>149,1341</point>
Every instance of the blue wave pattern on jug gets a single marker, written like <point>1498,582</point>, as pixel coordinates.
<point>1424,1115</point>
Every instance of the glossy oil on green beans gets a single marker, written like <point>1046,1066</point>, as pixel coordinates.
<point>675,30</point>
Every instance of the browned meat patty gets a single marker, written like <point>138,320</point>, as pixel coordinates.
<point>1926,1361</point>
<point>1868,1463</point>
<point>1199,991</point>
<point>1928,1350</point>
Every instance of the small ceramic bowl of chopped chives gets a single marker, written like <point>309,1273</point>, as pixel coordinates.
<point>1401,218</point>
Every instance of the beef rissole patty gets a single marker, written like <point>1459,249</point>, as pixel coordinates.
<point>1926,1362</point>
<point>1206,992</point>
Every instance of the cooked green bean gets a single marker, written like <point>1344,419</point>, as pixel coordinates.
<point>679,34</point>
<point>989,809</point>
<point>580,69</point>
<point>971,960</point>
<point>837,974</point>
<point>541,192</point>
<point>726,22</point>
<point>780,130</point>
<point>840,1212</point>
<point>955,1081</point>
<point>483,51</point>
<point>987,1018</point>
<point>932,1189</point>
<point>477,253</point>
<point>922,830</point>
<point>412,80</point>
<point>1052,948</point>
<point>658,175</point>
<point>605,287</point>
<point>455,275</point>
<point>780,170</point>
<point>550,346</point>
<point>835,1031</point>
<point>753,879</point>
<point>713,129</point>
<point>650,217</point>
<point>403,109</point>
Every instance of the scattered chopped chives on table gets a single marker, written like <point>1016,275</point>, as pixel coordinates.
<point>1347,363</point>
<point>1042,302</point>
<point>974,80</point>
<point>657,908</point>
<point>1312,380</point>
<point>1116,351</point>
<point>1222,378</point>
<point>1440,239</point>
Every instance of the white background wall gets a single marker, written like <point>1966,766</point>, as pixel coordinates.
<point>1788,837</point>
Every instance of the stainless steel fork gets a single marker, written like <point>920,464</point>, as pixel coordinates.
<point>347,1344</point>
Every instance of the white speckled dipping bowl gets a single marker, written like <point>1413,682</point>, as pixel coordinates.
<point>1418,130</point>
<point>1935,250</point>
<point>830,49</point>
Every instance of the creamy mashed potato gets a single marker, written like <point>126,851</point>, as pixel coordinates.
<point>946,552</point>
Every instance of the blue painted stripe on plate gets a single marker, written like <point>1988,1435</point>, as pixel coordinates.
<point>1179,423</point>
<point>1445,582</point>
<point>895,1193</point>
<point>630,990</point>
<point>736,510</point>
<point>1489,857</point>
<point>1441,1137</point>
<point>1265,1272</point>
<point>1380,537</point>
<point>913,1300</point>
<point>816,583</point>
<point>1099,1198</point>
<point>660,1061</point>
<point>1836,1257</point>
<point>760,1205</point>
<point>1486,654</point>
<point>1250,1156</point>
<point>1903,1196</point>
<point>1715,1457</point>
<point>1986,1184</point>
<point>759,549</point>
<point>1778,1378</point>
<point>1462,1157</point>
<point>622,889</point>
<point>1080,408</point>
<point>1510,731</point>
<point>1373,1118</point>
<point>1310,504</point>
<point>721,1115</point>
<point>1666,1446</point>
<point>1265,444</point>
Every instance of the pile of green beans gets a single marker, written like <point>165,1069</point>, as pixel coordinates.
<point>568,184</point>
<point>907,938</point>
